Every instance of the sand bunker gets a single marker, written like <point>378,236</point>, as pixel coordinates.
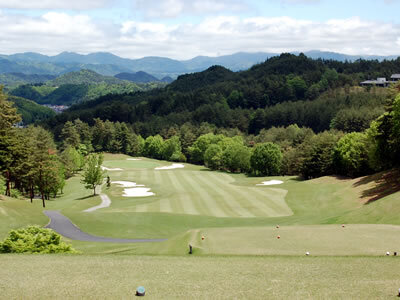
<point>127,184</point>
<point>173,166</point>
<point>133,159</point>
<point>108,169</point>
<point>137,192</point>
<point>134,190</point>
<point>271,182</point>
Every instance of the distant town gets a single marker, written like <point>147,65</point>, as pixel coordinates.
<point>57,108</point>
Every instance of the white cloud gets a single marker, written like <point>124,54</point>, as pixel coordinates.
<point>56,32</point>
<point>53,4</point>
<point>50,33</point>
<point>174,8</point>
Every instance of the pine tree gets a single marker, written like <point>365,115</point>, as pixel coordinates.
<point>9,142</point>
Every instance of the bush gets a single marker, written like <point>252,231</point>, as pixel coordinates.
<point>34,239</point>
<point>2,185</point>
<point>15,194</point>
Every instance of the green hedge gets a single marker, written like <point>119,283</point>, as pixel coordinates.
<point>34,239</point>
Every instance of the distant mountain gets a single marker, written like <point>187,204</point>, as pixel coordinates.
<point>315,54</point>
<point>109,64</point>
<point>12,79</point>
<point>235,62</point>
<point>167,79</point>
<point>140,77</point>
<point>83,77</point>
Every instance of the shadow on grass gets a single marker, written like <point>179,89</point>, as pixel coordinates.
<point>383,184</point>
<point>86,197</point>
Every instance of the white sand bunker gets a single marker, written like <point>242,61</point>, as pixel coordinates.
<point>271,182</point>
<point>173,166</point>
<point>137,192</point>
<point>108,169</point>
<point>134,159</point>
<point>127,184</point>
<point>134,190</point>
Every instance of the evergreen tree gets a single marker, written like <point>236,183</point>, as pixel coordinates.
<point>9,142</point>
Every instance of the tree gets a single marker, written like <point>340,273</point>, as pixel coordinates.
<point>213,157</point>
<point>46,162</point>
<point>70,135</point>
<point>153,146</point>
<point>351,154</point>
<point>200,146</point>
<point>93,174</point>
<point>73,161</point>
<point>9,143</point>
<point>172,149</point>
<point>236,157</point>
<point>266,159</point>
<point>318,153</point>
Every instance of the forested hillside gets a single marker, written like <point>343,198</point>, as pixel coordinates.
<point>281,91</point>
<point>75,87</point>
<point>30,111</point>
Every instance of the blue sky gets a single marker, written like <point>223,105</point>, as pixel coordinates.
<point>183,29</point>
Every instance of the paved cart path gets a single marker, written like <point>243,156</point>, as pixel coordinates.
<point>64,226</point>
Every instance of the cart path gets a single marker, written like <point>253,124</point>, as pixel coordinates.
<point>64,226</point>
<point>105,202</point>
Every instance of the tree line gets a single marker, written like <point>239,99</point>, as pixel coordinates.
<point>290,150</point>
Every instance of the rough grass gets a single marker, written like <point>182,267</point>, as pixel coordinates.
<point>16,213</point>
<point>166,277</point>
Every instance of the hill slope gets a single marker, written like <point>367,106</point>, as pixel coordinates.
<point>140,77</point>
<point>83,77</point>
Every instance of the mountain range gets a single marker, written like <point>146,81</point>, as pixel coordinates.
<point>109,64</point>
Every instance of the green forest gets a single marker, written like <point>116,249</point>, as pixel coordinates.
<point>288,116</point>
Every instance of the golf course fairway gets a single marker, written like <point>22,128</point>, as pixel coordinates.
<point>249,240</point>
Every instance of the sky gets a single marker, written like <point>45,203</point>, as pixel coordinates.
<point>183,29</point>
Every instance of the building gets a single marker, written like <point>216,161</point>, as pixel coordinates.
<point>378,82</point>
<point>395,78</point>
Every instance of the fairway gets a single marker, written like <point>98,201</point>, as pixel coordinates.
<point>197,192</point>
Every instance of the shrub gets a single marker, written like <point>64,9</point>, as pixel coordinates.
<point>15,194</point>
<point>2,185</point>
<point>34,239</point>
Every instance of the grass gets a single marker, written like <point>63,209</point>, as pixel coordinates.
<point>240,256</point>
<point>15,213</point>
<point>168,277</point>
<point>198,192</point>
<point>237,216</point>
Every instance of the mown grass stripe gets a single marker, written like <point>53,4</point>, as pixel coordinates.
<point>258,207</point>
<point>165,203</point>
<point>275,202</point>
<point>183,202</point>
<point>203,198</point>
<point>227,200</point>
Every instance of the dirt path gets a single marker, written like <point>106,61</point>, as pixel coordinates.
<point>64,226</point>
